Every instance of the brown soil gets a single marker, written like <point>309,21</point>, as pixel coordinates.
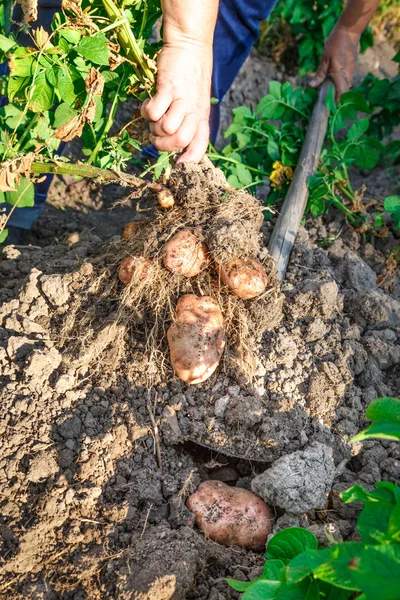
<point>86,510</point>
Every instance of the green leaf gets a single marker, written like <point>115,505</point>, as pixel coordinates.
<point>42,94</point>
<point>330,99</point>
<point>94,50</point>
<point>367,157</point>
<point>234,181</point>
<point>63,114</point>
<point>275,89</point>
<point>382,430</point>
<point>366,40</point>
<point>239,586</point>
<point>379,92</point>
<point>274,570</point>
<point>273,150</point>
<point>396,57</point>
<point>262,589</point>
<point>377,572</point>
<point>65,85</point>
<point>384,411</point>
<point>241,114</point>
<point>14,117</point>
<point>390,204</point>
<point>332,564</point>
<point>6,43</point>
<point>317,207</point>
<point>71,35</point>
<point>305,590</point>
<point>24,195</point>
<point>15,86</point>
<point>289,543</point>
<point>3,235</point>
<point>162,163</point>
<point>357,129</point>
<point>243,175</point>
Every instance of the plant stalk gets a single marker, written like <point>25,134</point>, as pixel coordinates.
<point>80,170</point>
<point>128,41</point>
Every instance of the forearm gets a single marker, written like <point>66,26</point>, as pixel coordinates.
<point>189,21</point>
<point>356,15</point>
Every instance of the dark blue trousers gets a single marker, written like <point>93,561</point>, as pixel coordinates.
<point>235,33</point>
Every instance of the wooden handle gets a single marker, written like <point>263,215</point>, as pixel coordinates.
<point>288,223</point>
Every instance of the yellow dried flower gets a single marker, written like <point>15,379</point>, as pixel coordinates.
<point>280,175</point>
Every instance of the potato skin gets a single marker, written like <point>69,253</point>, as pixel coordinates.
<point>231,516</point>
<point>197,338</point>
<point>129,231</point>
<point>245,277</point>
<point>133,265</point>
<point>185,254</point>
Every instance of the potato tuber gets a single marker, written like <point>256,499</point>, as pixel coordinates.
<point>245,277</point>
<point>129,231</point>
<point>197,338</point>
<point>184,253</point>
<point>137,266</point>
<point>231,516</point>
<point>165,198</point>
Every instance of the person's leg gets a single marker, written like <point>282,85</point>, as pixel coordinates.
<point>23,218</point>
<point>236,31</point>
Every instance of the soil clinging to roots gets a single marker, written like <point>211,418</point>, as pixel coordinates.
<point>229,222</point>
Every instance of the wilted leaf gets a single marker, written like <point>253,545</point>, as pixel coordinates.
<point>12,170</point>
<point>94,82</point>
<point>73,128</point>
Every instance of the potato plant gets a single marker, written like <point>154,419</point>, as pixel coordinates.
<point>265,144</point>
<point>305,24</point>
<point>69,84</point>
<point>368,570</point>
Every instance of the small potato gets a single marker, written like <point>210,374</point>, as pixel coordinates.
<point>165,198</point>
<point>129,231</point>
<point>197,338</point>
<point>133,265</point>
<point>231,516</point>
<point>185,254</point>
<point>245,277</point>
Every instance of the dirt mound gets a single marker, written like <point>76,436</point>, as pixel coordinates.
<point>86,512</point>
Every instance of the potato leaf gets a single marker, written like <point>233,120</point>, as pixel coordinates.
<point>290,542</point>
<point>94,50</point>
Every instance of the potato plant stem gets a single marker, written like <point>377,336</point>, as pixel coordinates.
<point>80,170</point>
<point>128,41</point>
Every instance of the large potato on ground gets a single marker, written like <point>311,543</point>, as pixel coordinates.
<point>231,516</point>
<point>184,253</point>
<point>137,266</point>
<point>197,338</point>
<point>245,277</point>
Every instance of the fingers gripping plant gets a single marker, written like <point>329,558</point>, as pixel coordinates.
<point>69,84</point>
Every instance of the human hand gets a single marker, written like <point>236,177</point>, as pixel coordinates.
<point>338,60</point>
<point>179,111</point>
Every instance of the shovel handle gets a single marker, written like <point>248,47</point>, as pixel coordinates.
<point>288,223</point>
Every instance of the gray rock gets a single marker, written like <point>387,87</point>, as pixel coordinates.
<point>298,482</point>
<point>220,406</point>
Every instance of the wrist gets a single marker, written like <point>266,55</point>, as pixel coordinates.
<point>351,32</point>
<point>176,35</point>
